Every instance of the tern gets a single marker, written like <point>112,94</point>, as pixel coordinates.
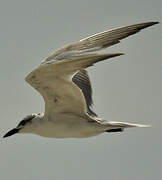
<point>64,84</point>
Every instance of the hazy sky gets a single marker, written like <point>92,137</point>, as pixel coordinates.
<point>127,88</point>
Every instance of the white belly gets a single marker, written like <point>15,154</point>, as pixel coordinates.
<point>67,127</point>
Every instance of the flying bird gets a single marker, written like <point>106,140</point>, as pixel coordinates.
<point>64,83</point>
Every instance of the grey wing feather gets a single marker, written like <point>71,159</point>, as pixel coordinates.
<point>103,39</point>
<point>51,79</point>
<point>62,65</point>
<point>81,79</point>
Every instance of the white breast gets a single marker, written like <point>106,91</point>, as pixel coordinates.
<point>66,126</point>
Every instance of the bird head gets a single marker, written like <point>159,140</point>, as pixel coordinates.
<point>23,126</point>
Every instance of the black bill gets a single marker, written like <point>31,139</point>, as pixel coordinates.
<point>10,133</point>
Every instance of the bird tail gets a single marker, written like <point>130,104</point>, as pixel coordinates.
<point>114,126</point>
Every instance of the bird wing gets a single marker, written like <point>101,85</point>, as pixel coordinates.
<point>57,78</point>
<point>53,80</point>
<point>81,79</point>
<point>102,40</point>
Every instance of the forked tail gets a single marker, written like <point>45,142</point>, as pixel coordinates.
<point>114,126</point>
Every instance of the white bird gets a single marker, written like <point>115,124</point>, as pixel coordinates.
<point>65,86</point>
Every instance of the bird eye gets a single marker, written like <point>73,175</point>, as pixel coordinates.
<point>22,123</point>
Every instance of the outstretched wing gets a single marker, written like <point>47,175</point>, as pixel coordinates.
<point>57,80</point>
<point>53,80</point>
<point>102,40</point>
<point>81,79</point>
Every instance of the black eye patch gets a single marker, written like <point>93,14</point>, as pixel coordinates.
<point>26,120</point>
<point>22,123</point>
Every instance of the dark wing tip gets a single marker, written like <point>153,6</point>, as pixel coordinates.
<point>155,22</point>
<point>147,24</point>
<point>113,55</point>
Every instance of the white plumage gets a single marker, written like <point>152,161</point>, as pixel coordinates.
<point>65,86</point>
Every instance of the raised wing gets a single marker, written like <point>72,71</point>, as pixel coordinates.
<point>81,79</point>
<point>53,80</point>
<point>103,39</point>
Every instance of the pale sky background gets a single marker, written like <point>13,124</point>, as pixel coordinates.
<point>128,88</point>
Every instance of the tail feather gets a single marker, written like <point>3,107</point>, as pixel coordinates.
<point>125,125</point>
<point>114,126</point>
